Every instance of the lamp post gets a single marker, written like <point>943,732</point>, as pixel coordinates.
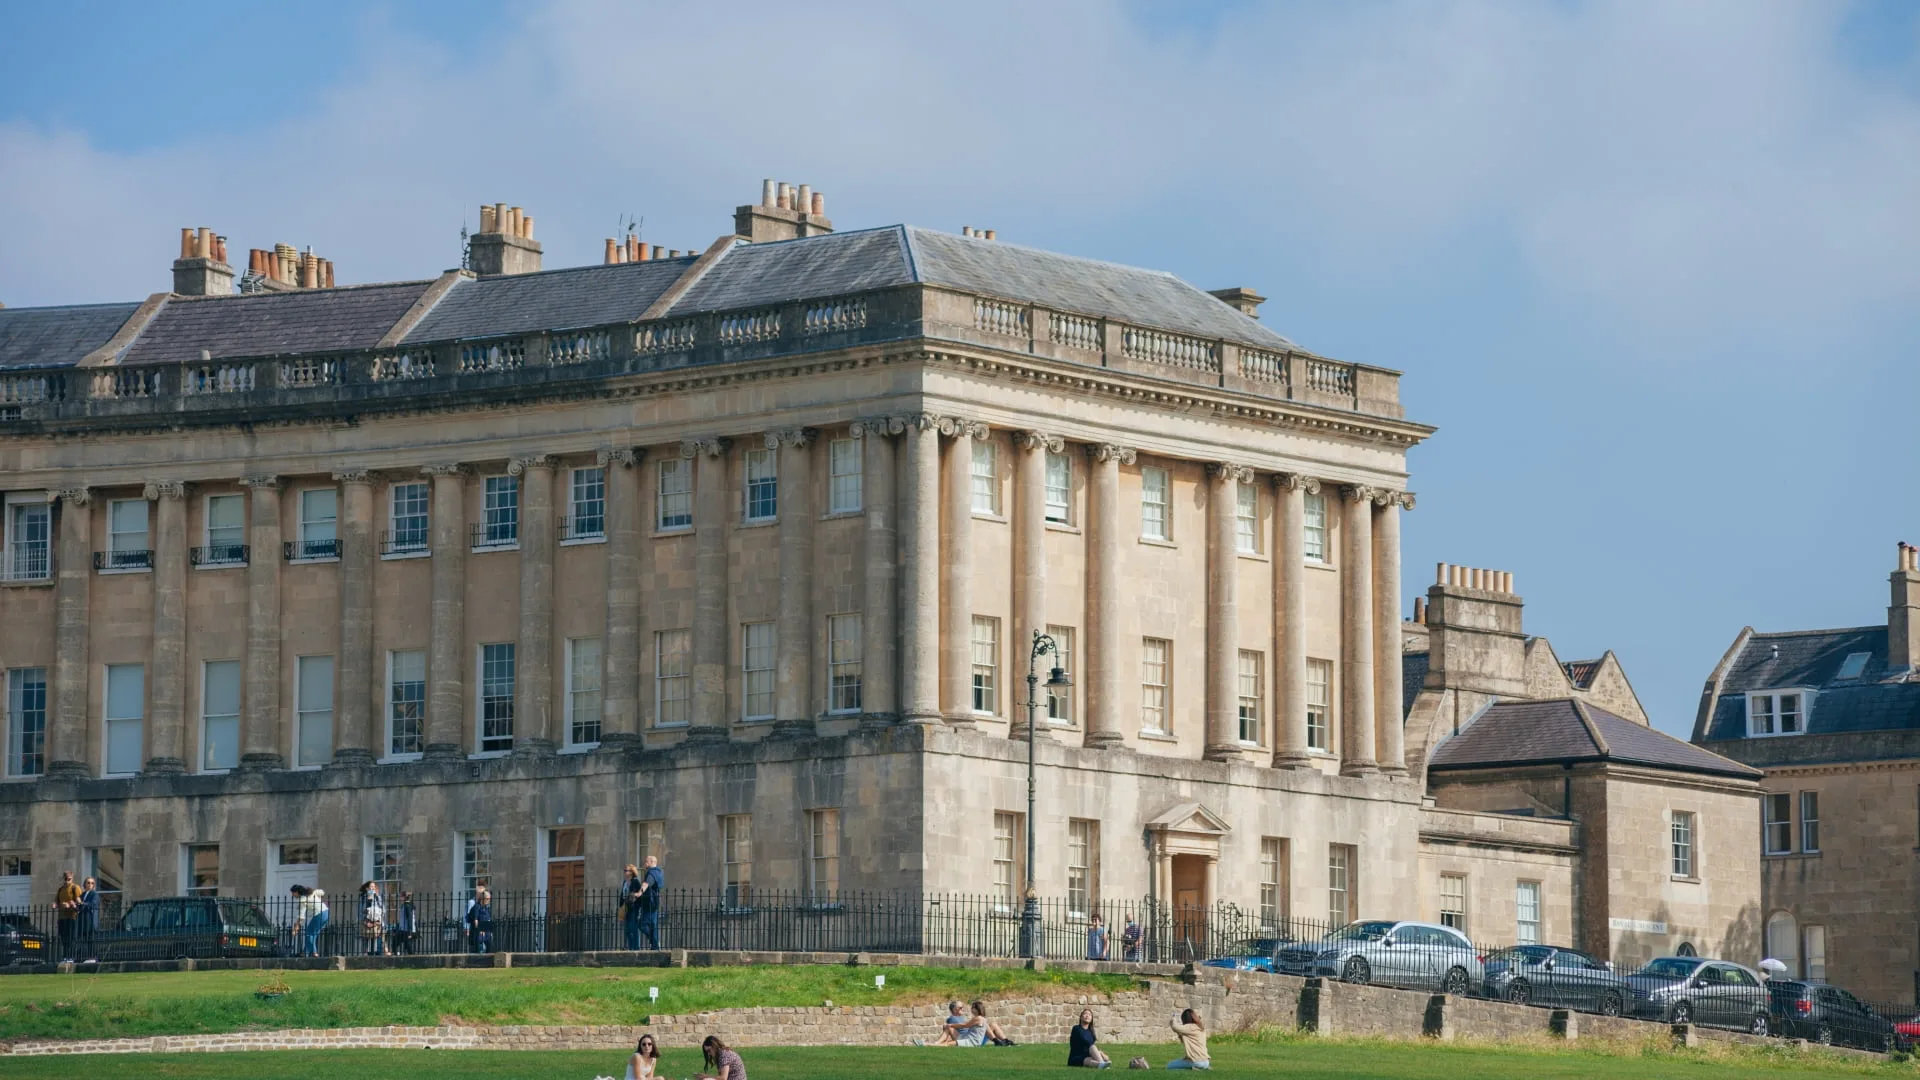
<point>1030,910</point>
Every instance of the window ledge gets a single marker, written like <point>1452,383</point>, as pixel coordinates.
<point>1253,556</point>
<point>1792,854</point>
<point>401,556</point>
<point>1321,564</point>
<point>20,779</point>
<point>28,583</point>
<point>1688,878</point>
<point>982,515</point>
<point>213,772</point>
<point>117,571</point>
<point>835,515</point>
<point>677,530</point>
<point>306,768</point>
<point>1154,541</point>
<point>1064,527</point>
<point>754,721</point>
<point>758,523</point>
<point>1158,736</point>
<point>842,714</point>
<point>673,725</point>
<point>579,748</point>
<point>311,562</point>
<point>233,565</point>
<point>483,755</point>
<point>484,549</point>
<point>584,541</point>
<point>399,759</point>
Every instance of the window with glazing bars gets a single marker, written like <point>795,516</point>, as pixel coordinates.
<point>408,518</point>
<point>319,524</point>
<point>1314,527</point>
<point>1777,829</point>
<point>763,486</point>
<point>843,663</point>
<point>127,534</point>
<point>496,697</point>
<point>226,529</point>
<point>1246,518</point>
<point>406,702</point>
<point>1319,704</point>
<point>26,721</point>
<point>1059,488</point>
<point>1809,821</point>
<point>387,864</point>
<point>757,649</point>
<point>476,861</point>
<point>986,479</point>
<point>1252,682</point>
<point>736,842</point>
<point>583,691</point>
<point>1526,908</point>
<point>1083,849</point>
<point>1683,840</point>
<point>1060,698</point>
<point>1155,657</point>
<point>673,677</point>
<point>29,541</point>
<point>1156,504</point>
<point>675,497</point>
<point>985,653</point>
<point>1340,867</point>
<point>1006,854</point>
<point>314,710</point>
<point>587,505</point>
<point>823,856</point>
<point>843,476</point>
<point>1453,901</point>
<point>220,715</point>
<point>1273,881</point>
<point>500,521</point>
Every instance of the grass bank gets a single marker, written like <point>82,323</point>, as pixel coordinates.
<point>1316,1059</point>
<point>205,1002</point>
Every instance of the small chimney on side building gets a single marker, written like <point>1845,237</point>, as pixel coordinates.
<point>201,269</point>
<point>1903,611</point>
<point>785,212</point>
<point>1474,634</point>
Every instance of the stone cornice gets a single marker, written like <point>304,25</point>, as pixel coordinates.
<point>445,469</point>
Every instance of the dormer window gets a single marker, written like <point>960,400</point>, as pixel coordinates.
<point>1778,712</point>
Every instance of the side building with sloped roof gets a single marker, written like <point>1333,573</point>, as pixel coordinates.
<point>1833,719</point>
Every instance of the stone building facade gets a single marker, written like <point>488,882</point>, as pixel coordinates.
<point>1833,719</point>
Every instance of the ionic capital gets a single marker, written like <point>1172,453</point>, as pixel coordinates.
<point>1229,472</point>
<point>955,427</point>
<point>624,455</point>
<point>353,476</point>
<point>1125,455</point>
<point>924,421</point>
<point>1292,481</point>
<point>1385,499</point>
<point>261,483</point>
<point>1357,493</point>
<point>1039,440</point>
<point>164,489</point>
<point>797,437</point>
<point>712,447</point>
<point>78,496</point>
<point>877,425</point>
<point>454,469</point>
<point>519,465</point>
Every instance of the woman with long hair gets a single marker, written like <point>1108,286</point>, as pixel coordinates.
<point>1193,1042</point>
<point>373,918</point>
<point>1081,1051</point>
<point>722,1061</point>
<point>645,1059</point>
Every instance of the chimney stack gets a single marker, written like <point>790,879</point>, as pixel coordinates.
<point>201,269</point>
<point>505,243</point>
<point>1245,301</point>
<point>1903,612</point>
<point>785,212</point>
<point>1476,641</point>
<point>284,269</point>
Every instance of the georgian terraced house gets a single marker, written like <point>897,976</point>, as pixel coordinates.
<point>735,556</point>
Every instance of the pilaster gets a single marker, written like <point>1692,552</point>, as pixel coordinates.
<point>67,741</point>
<point>354,734</point>
<point>620,712</point>
<point>1356,626</point>
<point>711,627</point>
<point>1105,672</point>
<point>166,734</point>
<point>536,715</point>
<point>1223,621</point>
<point>1029,548</point>
<point>1290,750</point>
<point>1389,723</point>
<point>956,580</point>
<point>794,629</point>
<point>447,656</point>
<point>879,689</point>
<point>260,728</point>
<point>920,557</point>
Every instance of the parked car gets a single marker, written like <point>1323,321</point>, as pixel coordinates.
<point>175,927</point>
<point>1411,954</point>
<point>21,942</point>
<point>1823,1013</point>
<point>1714,993</point>
<point>1555,976</point>
<point>1254,954</point>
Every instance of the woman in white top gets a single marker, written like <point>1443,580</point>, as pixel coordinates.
<point>645,1059</point>
<point>373,919</point>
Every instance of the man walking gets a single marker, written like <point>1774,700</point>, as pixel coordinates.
<point>66,908</point>
<point>652,882</point>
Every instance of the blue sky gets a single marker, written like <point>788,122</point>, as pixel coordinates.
<point>1653,269</point>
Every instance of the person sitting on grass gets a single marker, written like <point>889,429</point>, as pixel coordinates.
<point>1081,1051</point>
<point>645,1059</point>
<point>1193,1042</point>
<point>724,1063</point>
<point>988,1027</point>
<point>951,1028</point>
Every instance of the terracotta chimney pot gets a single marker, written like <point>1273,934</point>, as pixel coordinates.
<point>768,194</point>
<point>818,208</point>
<point>186,243</point>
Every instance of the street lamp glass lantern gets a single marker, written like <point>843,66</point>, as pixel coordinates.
<point>1058,679</point>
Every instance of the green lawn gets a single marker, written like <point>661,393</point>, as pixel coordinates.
<point>1292,1057</point>
<point>178,1003</point>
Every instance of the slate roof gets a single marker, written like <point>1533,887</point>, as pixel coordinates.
<point>1413,676</point>
<point>1558,732</point>
<point>549,300</point>
<point>1878,700</point>
<point>57,336</point>
<point>751,275</point>
<point>269,324</point>
<point>1580,673</point>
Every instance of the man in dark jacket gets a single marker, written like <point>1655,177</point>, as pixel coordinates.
<point>89,920</point>
<point>652,882</point>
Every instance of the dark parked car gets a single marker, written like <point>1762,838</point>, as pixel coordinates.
<point>1550,975</point>
<point>175,927</point>
<point>1254,954</point>
<point>21,942</point>
<point>1827,1014</point>
<point>1714,993</point>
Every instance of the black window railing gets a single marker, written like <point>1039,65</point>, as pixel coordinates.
<point>403,542</point>
<point>496,534</point>
<point>124,559</point>
<point>218,555</point>
<point>584,527</point>
<point>295,550</point>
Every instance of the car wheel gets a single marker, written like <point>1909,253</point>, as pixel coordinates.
<point>1759,1026</point>
<point>1611,1004</point>
<point>1683,1012</point>
<point>1456,981</point>
<point>1823,1034</point>
<point>1519,993</point>
<point>1357,970</point>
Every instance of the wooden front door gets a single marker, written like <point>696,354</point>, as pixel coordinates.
<point>566,889</point>
<point>1189,907</point>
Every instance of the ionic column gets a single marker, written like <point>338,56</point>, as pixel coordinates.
<point>1290,619</point>
<point>534,711</point>
<point>711,629</point>
<point>1101,658</point>
<point>447,655</point>
<point>167,680</point>
<point>794,631</point>
<point>354,734</point>
<point>920,559</point>
<point>956,579</point>
<point>1389,725</point>
<point>620,709</point>
<point>1356,626</point>
<point>1223,612</point>
<point>1029,550</point>
<point>879,698</point>
<point>67,741</point>
<point>260,731</point>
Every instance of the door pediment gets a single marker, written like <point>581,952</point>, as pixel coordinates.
<point>1190,820</point>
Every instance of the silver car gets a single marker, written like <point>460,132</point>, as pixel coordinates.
<point>1411,954</point>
